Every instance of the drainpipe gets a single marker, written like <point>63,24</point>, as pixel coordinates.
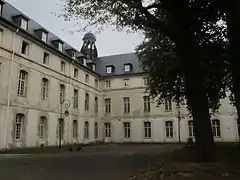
<point>9,89</point>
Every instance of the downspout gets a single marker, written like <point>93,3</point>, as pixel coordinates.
<point>9,89</point>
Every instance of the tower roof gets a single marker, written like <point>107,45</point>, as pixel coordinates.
<point>89,36</point>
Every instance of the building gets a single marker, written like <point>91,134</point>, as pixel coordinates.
<point>52,93</point>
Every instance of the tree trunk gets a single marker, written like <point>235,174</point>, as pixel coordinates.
<point>194,84</point>
<point>233,27</point>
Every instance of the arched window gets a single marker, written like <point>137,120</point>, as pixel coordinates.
<point>216,128</point>
<point>42,127</point>
<point>19,126</point>
<point>75,129</point>
<point>22,83</point>
<point>44,89</point>
<point>169,129</point>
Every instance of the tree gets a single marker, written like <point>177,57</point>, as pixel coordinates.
<point>173,19</point>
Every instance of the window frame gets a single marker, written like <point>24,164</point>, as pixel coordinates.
<point>96,130</point>
<point>86,78</point>
<point>19,123</point>
<point>127,129</point>
<point>126,105</point>
<point>75,129</point>
<point>44,89</point>
<point>44,36</point>
<point>75,98</point>
<point>216,128</point>
<point>147,130</point>
<point>63,66</point>
<point>75,73</point>
<point>86,130</point>
<point>107,105</point>
<point>146,104</point>
<point>169,129</point>
<point>107,128</point>
<point>24,23</point>
<point>109,69</point>
<point>22,83</point>
<point>25,48</point>
<point>62,93</point>
<point>96,105</point>
<point>46,57</point>
<point>108,84</point>
<point>168,105</point>
<point>42,127</point>
<point>87,101</point>
<point>191,132</point>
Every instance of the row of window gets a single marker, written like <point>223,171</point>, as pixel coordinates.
<point>127,107</point>
<point>126,82</point>
<point>43,128</point>
<point>168,129</point>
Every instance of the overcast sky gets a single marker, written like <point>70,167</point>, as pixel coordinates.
<point>108,42</point>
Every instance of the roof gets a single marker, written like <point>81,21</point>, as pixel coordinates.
<point>118,62</point>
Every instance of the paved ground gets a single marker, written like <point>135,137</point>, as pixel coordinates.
<point>103,162</point>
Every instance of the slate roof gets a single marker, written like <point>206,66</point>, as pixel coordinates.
<point>117,61</point>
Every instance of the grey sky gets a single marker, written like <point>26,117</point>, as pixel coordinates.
<point>108,42</point>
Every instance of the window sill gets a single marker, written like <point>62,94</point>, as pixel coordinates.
<point>147,137</point>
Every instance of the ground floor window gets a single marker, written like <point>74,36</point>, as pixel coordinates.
<point>96,130</point>
<point>216,128</point>
<point>19,126</point>
<point>86,130</point>
<point>107,130</point>
<point>169,129</point>
<point>75,129</point>
<point>147,130</point>
<point>191,131</point>
<point>127,129</point>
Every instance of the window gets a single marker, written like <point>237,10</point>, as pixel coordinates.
<point>109,69</point>
<point>19,126</point>
<point>108,105</point>
<point>62,66</point>
<point>62,93</point>
<point>1,7</point>
<point>96,104</point>
<point>75,129</point>
<point>45,58</point>
<point>216,128</point>
<point>86,102</point>
<point>147,129</point>
<point>94,67</point>
<point>145,81</point>
<point>127,67</point>
<point>60,128</point>
<point>127,130</point>
<point>107,130</point>
<point>25,48</point>
<point>1,34</point>
<point>108,84</point>
<point>74,55</point>
<point>42,127</point>
<point>22,83</point>
<point>60,46</point>
<point>86,78</point>
<point>86,130</point>
<point>126,101</point>
<point>169,129</point>
<point>146,104</point>
<point>24,23</point>
<point>75,98</point>
<point>75,73</point>
<point>44,89</point>
<point>191,129</point>
<point>126,81</point>
<point>168,105</point>
<point>44,36</point>
<point>96,130</point>
<point>96,83</point>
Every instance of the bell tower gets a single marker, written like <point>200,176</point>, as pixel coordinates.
<point>89,48</point>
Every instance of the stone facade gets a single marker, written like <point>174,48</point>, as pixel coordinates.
<point>28,119</point>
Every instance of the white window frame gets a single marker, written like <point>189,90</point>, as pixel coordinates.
<point>94,67</point>
<point>19,122</point>
<point>107,105</point>
<point>146,104</point>
<point>127,67</point>
<point>75,129</point>
<point>22,83</point>
<point>107,130</point>
<point>108,84</point>
<point>126,105</point>
<point>44,36</point>
<point>25,50</point>
<point>86,130</point>
<point>24,24</point>
<point>42,127</point>
<point>87,98</point>
<point>62,93</point>
<point>46,57</point>
<point>60,46</point>
<point>169,129</point>
<point>127,129</point>
<point>191,132</point>
<point>75,73</point>
<point>44,92</point>
<point>168,105</point>
<point>109,69</point>
<point>75,98</point>
<point>147,130</point>
<point>95,130</point>
<point>216,128</point>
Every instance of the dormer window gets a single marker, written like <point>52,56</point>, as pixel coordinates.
<point>24,23</point>
<point>84,61</point>
<point>74,55</point>
<point>60,46</point>
<point>94,67</point>
<point>44,36</point>
<point>1,6</point>
<point>127,67</point>
<point>109,69</point>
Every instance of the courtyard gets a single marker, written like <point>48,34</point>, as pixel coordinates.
<point>101,162</point>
